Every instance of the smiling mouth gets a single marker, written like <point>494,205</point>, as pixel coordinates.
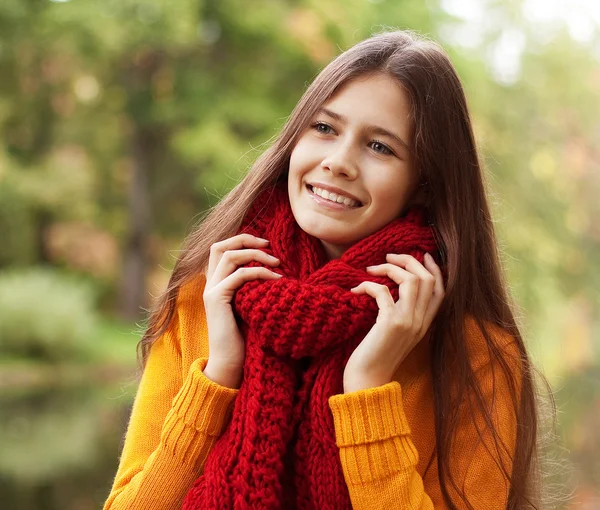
<point>342,205</point>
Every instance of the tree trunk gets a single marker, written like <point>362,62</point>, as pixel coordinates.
<point>133,295</point>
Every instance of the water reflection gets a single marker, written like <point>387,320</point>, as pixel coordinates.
<point>59,445</point>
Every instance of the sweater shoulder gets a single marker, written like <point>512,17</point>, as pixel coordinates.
<point>482,355</point>
<point>476,342</point>
<point>193,334</point>
<point>190,293</point>
<point>501,337</point>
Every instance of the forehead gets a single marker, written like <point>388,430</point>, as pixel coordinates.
<point>375,99</point>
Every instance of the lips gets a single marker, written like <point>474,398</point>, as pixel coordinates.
<point>328,204</point>
<point>334,189</point>
<point>321,193</point>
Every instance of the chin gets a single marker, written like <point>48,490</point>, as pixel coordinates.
<point>326,235</point>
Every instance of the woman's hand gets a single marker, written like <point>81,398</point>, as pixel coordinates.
<point>399,326</point>
<point>227,349</point>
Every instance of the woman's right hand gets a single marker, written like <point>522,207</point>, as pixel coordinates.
<point>227,349</point>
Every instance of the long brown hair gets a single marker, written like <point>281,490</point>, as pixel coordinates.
<point>446,157</point>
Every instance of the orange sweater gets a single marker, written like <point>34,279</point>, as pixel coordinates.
<point>386,435</point>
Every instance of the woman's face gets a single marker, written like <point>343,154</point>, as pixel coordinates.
<point>357,142</point>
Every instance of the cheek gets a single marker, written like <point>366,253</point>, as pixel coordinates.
<point>385,192</point>
<point>382,187</point>
<point>304,156</point>
<point>295,161</point>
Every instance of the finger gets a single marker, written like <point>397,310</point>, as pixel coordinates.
<point>232,243</point>
<point>411,264</point>
<point>231,260</point>
<point>408,285</point>
<point>381,293</point>
<point>438,291</point>
<point>395,273</point>
<point>426,282</point>
<point>436,271</point>
<point>242,275</point>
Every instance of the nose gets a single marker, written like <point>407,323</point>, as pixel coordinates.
<point>341,162</point>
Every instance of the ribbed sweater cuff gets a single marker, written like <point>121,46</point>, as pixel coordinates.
<point>198,417</point>
<point>373,434</point>
<point>199,394</point>
<point>370,415</point>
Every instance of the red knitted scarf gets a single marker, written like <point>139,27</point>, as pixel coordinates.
<point>279,449</point>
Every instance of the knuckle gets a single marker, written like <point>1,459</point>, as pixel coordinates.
<point>411,278</point>
<point>429,278</point>
<point>228,254</point>
<point>215,247</point>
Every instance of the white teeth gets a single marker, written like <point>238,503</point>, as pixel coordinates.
<point>334,197</point>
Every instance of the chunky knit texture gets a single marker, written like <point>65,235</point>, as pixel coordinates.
<point>385,435</point>
<point>300,330</point>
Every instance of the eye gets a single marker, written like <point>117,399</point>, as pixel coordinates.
<point>381,148</point>
<point>322,128</point>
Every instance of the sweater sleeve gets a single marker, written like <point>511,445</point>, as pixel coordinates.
<point>379,459</point>
<point>173,425</point>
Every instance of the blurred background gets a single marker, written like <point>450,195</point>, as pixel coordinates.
<point>123,120</point>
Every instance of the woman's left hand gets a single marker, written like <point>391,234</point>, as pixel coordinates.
<point>400,325</point>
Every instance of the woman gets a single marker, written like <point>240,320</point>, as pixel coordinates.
<point>330,384</point>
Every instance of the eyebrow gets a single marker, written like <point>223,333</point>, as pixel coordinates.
<point>371,127</point>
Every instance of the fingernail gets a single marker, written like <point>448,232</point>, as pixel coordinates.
<point>428,257</point>
<point>263,240</point>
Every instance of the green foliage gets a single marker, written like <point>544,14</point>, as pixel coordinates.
<point>45,315</point>
<point>17,226</point>
<point>183,95</point>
